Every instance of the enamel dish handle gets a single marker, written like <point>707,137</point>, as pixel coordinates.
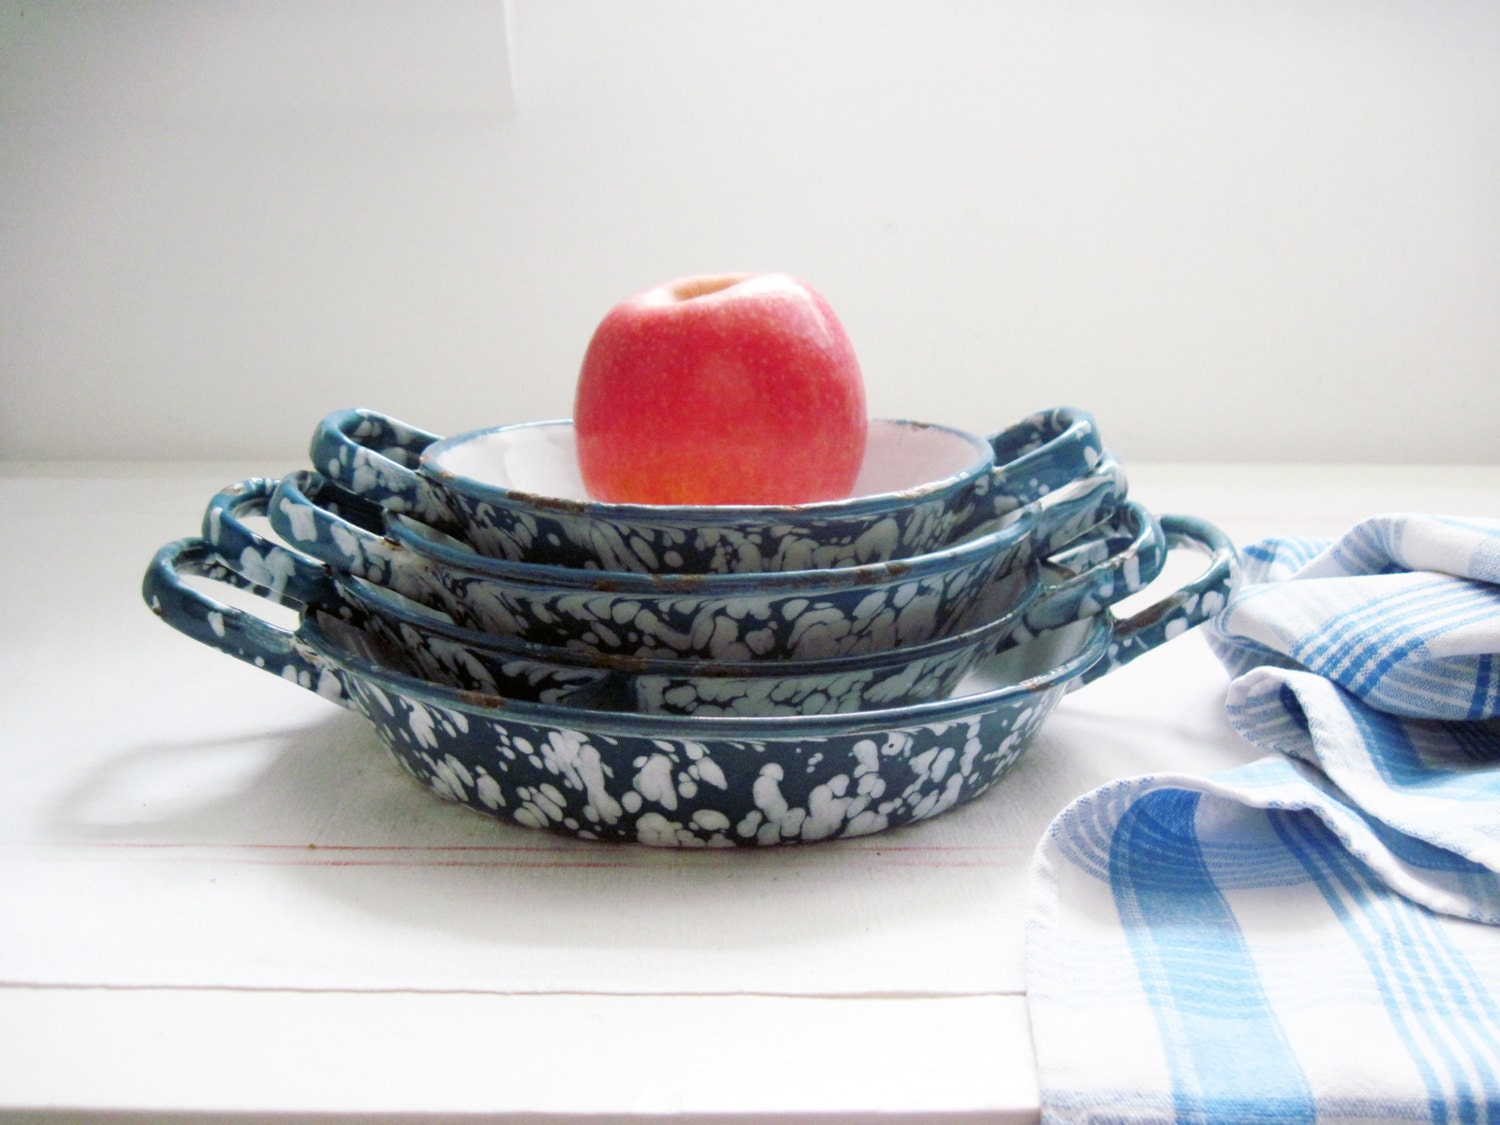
<point>292,577</point>
<point>1194,602</point>
<point>347,543</point>
<point>1043,451</point>
<point>239,633</point>
<point>375,456</point>
<point>1112,561</point>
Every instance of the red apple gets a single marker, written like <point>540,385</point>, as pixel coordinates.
<point>724,389</point>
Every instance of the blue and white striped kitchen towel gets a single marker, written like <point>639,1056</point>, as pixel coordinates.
<point>1314,936</point>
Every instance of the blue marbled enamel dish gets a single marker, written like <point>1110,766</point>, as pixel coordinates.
<point>805,614</point>
<point>693,781</point>
<point>1117,559</point>
<point>514,492</point>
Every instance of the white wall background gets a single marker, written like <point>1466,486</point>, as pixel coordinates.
<point>1233,230</point>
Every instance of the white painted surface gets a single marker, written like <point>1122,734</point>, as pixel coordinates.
<point>156,740</point>
<point>392,1057</point>
<point>1235,232</point>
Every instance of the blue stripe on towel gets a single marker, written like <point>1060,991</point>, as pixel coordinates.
<point>1442,1011</point>
<point>1361,645</point>
<point>1229,1056</point>
<point>1403,767</point>
<point>1465,605</point>
<point>1486,687</point>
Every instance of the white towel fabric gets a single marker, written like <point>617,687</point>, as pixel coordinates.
<point>1403,611</point>
<point>1314,936</point>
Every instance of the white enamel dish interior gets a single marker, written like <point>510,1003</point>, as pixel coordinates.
<point>541,459</point>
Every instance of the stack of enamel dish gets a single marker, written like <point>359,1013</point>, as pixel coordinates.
<point>693,676</point>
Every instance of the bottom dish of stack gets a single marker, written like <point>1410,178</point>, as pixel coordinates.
<point>626,775</point>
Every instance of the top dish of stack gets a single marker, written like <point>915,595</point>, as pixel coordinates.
<point>516,493</point>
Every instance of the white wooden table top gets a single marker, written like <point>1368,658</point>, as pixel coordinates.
<point>74,643</point>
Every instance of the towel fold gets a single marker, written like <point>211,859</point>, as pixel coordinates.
<point>1314,936</point>
<point>1403,612</point>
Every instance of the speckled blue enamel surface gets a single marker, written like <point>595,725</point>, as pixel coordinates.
<point>688,781</point>
<point>383,459</point>
<point>804,614</point>
<point>1114,559</point>
<point>651,780</point>
<point>432,646</point>
<point>687,792</point>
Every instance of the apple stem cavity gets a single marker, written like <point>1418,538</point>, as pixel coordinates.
<point>691,288</point>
